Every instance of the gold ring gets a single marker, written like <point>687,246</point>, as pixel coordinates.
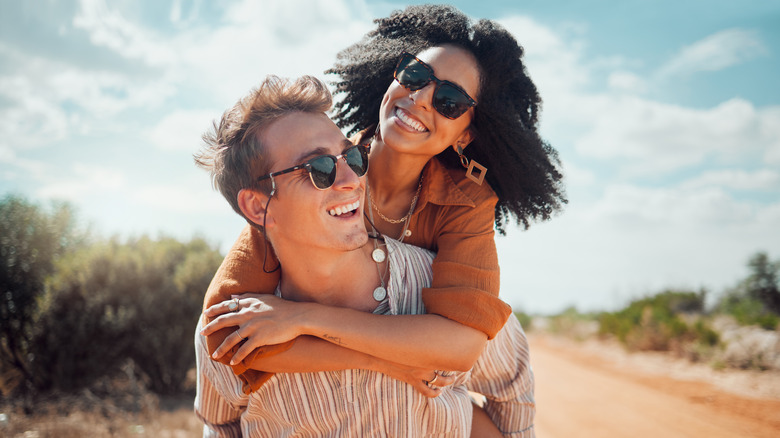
<point>435,376</point>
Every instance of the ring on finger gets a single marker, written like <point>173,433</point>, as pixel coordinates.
<point>435,376</point>
<point>233,305</point>
<point>239,335</point>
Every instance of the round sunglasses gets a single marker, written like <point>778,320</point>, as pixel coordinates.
<point>322,168</point>
<point>449,99</point>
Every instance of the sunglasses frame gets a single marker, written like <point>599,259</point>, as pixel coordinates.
<point>364,150</point>
<point>431,77</point>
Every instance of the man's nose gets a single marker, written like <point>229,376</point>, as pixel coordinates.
<point>345,176</point>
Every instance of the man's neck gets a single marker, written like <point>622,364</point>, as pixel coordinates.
<point>341,279</point>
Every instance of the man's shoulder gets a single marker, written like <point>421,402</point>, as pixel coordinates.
<point>404,251</point>
<point>409,262</point>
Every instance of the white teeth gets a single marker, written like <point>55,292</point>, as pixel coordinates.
<point>417,126</point>
<point>338,211</point>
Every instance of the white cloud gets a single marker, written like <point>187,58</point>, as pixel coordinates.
<point>651,137</point>
<point>762,180</point>
<point>716,52</point>
<point>255,39</point>
<point>624,81</point>
<point>50,100</point>
<point>553,57</point>
<point>108,28</point>
<point>181,130</point>
<point>86,181</point>
<point>770,128</point>
<point>577,176</point>
<point>177,199</point>
<point>13,166</point>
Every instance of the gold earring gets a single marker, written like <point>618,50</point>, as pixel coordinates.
<point>470,166</point>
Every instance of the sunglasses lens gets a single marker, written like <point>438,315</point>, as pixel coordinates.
<point>357,159</point>
<point>450,102</point>
<point>411,74</point>
<point>323,171</point>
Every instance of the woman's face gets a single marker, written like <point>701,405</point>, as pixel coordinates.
<point>409,122</point>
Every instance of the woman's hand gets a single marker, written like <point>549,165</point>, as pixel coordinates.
<point>262,319</point>
<point>426,382</point>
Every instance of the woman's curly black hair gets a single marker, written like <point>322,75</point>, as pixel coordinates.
<point>523,169</point>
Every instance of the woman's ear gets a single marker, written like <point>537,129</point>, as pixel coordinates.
<point>253,203</point>
<point>465,138</point>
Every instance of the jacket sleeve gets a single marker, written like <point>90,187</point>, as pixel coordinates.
<point>466,275</point>
<point>242,272</point>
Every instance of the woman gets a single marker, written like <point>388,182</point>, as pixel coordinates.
<point>452,85</point>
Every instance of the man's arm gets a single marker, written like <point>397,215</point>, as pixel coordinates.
<point>503,375</point>
<point>219,400</point>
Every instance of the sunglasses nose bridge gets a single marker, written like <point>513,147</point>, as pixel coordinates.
<point>345,176</point>
<point>423,97</point>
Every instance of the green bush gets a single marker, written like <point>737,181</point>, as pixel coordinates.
<point>747,310</point>
<point>112,302</point>
<point>31,239</point>
<point>525,320</point>
<point>756,299</point>
<point>655,323</point>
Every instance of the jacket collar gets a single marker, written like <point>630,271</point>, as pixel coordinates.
<point>440,188</point>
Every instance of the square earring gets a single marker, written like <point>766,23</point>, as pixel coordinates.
<point>479,177</point>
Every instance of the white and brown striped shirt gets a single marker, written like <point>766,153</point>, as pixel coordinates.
<point>366,403</point>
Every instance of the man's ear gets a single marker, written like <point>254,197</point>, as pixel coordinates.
<point>253,203</point>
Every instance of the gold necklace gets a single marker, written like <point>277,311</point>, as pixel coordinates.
<point>411,208</point>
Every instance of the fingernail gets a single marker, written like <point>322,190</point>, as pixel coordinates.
<point>214,355</point>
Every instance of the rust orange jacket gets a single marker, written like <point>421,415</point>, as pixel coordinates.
<point>454,217</point>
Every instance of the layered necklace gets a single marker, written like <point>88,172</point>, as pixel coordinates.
<point>379,255</point>
<point>405,219</point>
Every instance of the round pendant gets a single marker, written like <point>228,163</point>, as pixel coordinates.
<point>378,255</point>
<point>380,293</point>
<point>408,233</point>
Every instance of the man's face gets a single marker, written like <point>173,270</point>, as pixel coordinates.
<point>302,214</point>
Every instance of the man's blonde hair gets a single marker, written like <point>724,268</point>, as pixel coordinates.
<point>234,151</point>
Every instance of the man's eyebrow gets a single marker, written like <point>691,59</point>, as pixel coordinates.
<point>311,154</point>
<point>321,151</point>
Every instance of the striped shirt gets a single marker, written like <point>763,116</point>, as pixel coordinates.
<point>370,404</point>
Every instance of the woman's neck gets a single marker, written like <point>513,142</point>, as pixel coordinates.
<point>393,176</point>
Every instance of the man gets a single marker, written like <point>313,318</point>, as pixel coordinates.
<point>303,185</point>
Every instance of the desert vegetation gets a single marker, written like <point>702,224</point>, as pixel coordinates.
<point>97,327</point>
<point>740,330</point>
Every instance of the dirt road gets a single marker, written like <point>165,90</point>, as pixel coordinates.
<point>580,393</point>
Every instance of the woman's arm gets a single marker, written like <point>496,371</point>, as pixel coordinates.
<point>310,354</point>
<point>241,272</point>
<point>456,220</point>
<point>422,341</point>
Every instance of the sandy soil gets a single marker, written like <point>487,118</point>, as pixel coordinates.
<point>595,389</point>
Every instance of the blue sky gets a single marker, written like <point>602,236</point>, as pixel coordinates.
<point>666,115</point>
